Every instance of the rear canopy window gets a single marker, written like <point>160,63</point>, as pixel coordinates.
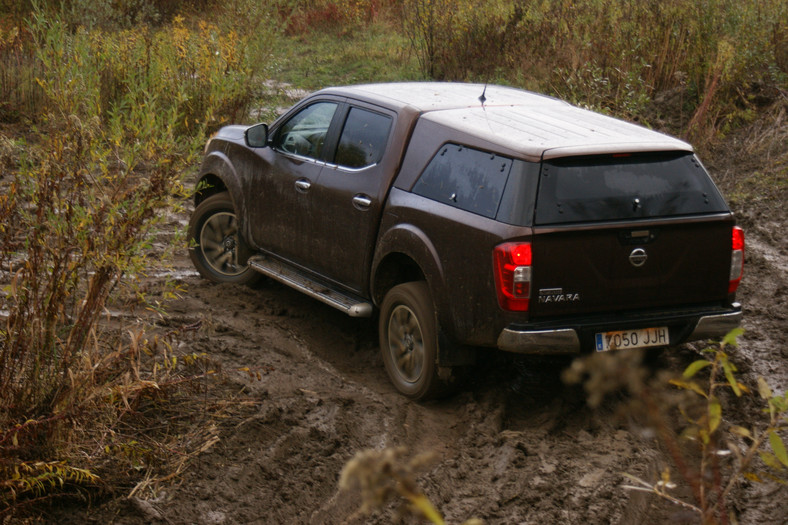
<point>465,178</point>
<point>603,188</point>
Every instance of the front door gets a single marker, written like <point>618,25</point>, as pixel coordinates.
<point>280,207</point>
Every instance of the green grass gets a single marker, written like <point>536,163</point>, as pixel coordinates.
<point>377,54</point>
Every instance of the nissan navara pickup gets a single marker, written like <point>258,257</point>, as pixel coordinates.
<point>471,217</point>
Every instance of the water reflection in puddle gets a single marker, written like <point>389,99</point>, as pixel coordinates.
<point>173,274</point>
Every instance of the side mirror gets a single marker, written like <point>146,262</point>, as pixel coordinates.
<point>256,136</point>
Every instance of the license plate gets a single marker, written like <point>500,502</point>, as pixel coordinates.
<point>626,339</point>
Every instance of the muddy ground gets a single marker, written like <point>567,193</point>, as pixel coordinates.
<point>507,449</point>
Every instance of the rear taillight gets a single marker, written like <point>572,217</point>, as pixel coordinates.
<point>512,261</point>
<point>737,259</point>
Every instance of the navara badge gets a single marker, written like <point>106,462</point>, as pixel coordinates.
<point>638,257</point>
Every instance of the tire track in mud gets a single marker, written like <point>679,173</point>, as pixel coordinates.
<point>326,386</point>
<point>500,454</point>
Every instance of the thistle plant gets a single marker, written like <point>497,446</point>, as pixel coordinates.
<point>388,475</point>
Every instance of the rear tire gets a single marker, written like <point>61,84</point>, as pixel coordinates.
<point>215,242</point>
<point>409,343</point>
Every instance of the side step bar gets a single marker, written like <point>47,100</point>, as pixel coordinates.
<point>278,271</point>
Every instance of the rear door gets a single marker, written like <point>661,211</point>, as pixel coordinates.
<point>621,233</point>
<point>348,198</point>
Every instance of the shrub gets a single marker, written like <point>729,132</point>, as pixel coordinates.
<point>125,115</point>
<point>20,95</point>
<point>457,40</point>
<point>304,16</point>
<point>611,55</point>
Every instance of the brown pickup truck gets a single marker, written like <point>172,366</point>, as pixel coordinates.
<point>472,217</point>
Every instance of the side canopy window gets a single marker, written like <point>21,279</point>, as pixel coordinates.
<point>465,178</point>
<point>581,189</point>
<point>305,133</point>
<point>363,139</point>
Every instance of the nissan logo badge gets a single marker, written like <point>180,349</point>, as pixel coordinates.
<point>638,257</point>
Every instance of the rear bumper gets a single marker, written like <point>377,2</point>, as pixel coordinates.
<point>716,326</point>
<point>573,338</point>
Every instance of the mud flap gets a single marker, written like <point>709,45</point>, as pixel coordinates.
<point>451,354</point>
<point>244,251</point>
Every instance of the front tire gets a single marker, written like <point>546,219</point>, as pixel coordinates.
<point>215,242</point>
<point>409,342</point>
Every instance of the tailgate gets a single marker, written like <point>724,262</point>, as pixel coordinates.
<point>626,267</point>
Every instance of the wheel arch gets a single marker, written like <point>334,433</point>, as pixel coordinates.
<point>405,254</point>
<point>395,268</point>
<point>208,185</point>
<point>217,174</point>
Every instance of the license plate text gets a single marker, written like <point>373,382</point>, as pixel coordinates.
<point>625,339</point>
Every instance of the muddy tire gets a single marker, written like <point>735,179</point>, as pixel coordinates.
<point>409,343</point>
<point>215,243</point>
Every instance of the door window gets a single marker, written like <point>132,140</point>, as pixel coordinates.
<point>305,133</point>
<point>363,139</point>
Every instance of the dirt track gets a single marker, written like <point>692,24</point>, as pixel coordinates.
<point>535,454</point>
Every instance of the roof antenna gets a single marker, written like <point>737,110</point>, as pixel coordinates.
<point>482,98</point>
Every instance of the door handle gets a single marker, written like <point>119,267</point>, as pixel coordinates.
<point>362,202</point>
<point>303,185</point>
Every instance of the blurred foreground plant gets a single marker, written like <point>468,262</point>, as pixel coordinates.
<point>386,475</point>
<point>711,455</point>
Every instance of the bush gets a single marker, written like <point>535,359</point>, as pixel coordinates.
<point>125,114</point>
<point>615,54</point>
<point>458,40</point>
<point>305,16</point>
<point>20,95</point>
